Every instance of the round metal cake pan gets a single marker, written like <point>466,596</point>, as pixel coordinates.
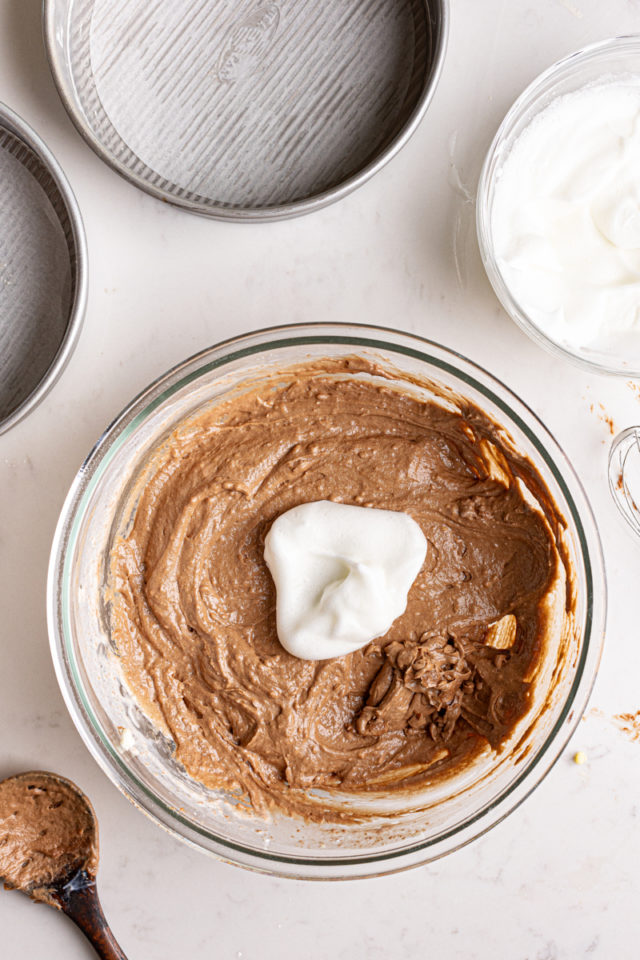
<point>43,269</point>
<point>246,109</point>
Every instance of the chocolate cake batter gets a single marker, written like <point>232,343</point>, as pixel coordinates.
<point>193,604</point>
<point>47,833</point>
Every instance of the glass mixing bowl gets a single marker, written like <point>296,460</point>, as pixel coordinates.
<point>615,58</point>
<point>398,833</point>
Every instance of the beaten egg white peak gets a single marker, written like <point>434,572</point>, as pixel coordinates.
<point>566,218</point>
<point>342,575</point>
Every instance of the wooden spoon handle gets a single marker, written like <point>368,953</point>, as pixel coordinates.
<point>80,901</point>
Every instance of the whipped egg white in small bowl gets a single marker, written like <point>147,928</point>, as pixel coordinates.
<point>558,208</point>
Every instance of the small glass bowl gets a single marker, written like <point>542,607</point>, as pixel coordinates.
<point>616,57</point>
<point>401,832</point>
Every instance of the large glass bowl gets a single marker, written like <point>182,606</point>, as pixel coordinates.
<point>399,834</point>
<point>615,58</point>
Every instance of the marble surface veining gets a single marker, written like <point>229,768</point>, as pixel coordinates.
<point>560,878</point>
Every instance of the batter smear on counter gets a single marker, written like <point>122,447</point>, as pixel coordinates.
<point>193,603</point>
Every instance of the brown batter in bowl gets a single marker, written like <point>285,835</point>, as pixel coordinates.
<point>371,762</point>
<point>193,608</point>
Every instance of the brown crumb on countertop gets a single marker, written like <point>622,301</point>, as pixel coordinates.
<point>604,416</point>
<point>596,712</point>
<point>629,723</point>
<point>635,387</point>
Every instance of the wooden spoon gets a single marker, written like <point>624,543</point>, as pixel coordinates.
<point>49,850</point>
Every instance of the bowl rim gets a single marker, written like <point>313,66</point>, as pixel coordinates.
<point>285,211</point>
<point>251,344</point>
<point>486,184</point>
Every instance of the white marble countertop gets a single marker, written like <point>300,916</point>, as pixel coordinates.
<point>560,878</point>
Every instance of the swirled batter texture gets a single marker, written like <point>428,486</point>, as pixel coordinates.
<point>193,611</point>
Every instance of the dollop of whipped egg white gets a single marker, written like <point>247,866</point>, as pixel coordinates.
<point>565,218</point>
<point>342,575</point>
